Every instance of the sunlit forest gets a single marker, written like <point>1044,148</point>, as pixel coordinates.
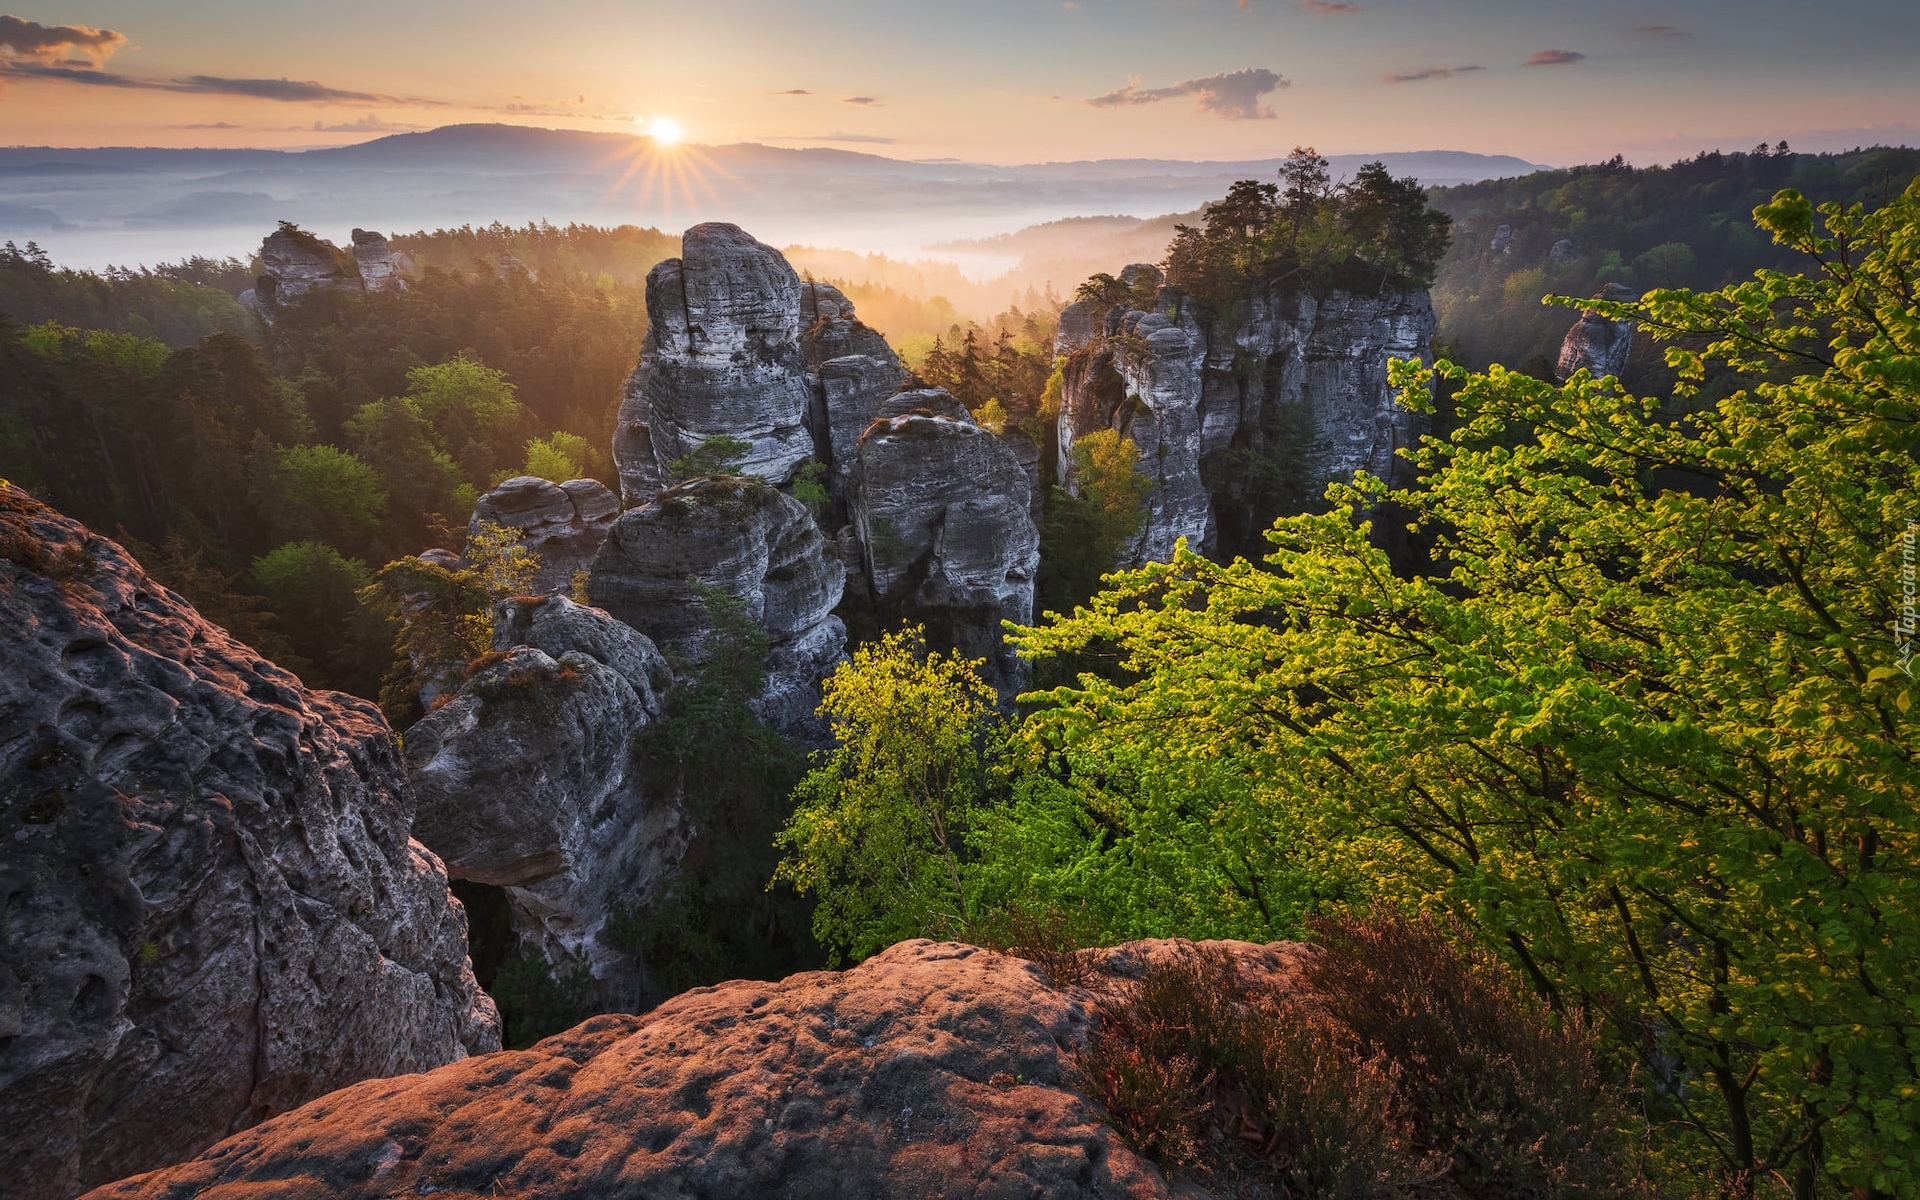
<point>1588,722</point>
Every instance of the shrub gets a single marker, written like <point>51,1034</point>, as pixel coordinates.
<point>1399,1064</point>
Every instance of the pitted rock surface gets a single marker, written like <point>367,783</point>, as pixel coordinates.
<point>756,544</point>
<point>562,523</point>
<point>1294,375</point>
<point>943,512</point>
<point>527,781</point>
<point>721,357</point>
<point>930,1070</point>
<point>213,910</point>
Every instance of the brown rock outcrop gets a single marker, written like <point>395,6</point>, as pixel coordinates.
<point>932,1069</point>
<point>213,911</point>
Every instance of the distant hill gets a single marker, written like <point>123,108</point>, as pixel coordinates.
<point>130,205</point>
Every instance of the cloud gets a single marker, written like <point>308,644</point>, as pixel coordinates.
<point>289,90</point>
<point>1554,58</point>
<point>1661,31</point>
<point>867,100</point>
<point>273,89</point>
<point>208,125</point>
<point>794,92</point>
<point>1233,96</point>
<point>1326,6</point>
<point>50,45</point>
<point>1433,73</point>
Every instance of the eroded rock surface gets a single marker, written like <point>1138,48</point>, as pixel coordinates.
<point>527,781</point>
<point>379,263</point>
<point>294,262</point>
<point>1296,380</point>
<point>562,523</point>
<point>931,1069</point>
<point>752,542</point>
<point>1596,343</point>
<point>721,357</point>
<point>854,372</point>
<point>213,910</point>
<point>943,512</point>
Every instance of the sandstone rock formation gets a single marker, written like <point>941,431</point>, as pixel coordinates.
<point>213,910</point>
<point>721,357</point>
<point>1595,343</point>
<point>294,262</point>
<point>943,512</point>
<point>854,370</point>
<point>928,1070</point>
<point>752,542</point>
<point>527,781</point>
<point>379,263</point>
<point>1297,379</point>
<point>562,523</point>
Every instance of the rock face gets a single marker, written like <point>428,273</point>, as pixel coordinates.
<point>721,357</point>
<point>293,263</point>
<point>942,509</point>
<point>855,371</point>
<point>213,910</point>
<point>527,781</point>
<point>928,1070</point>
<point>1595,343</point>
<point>563,523</point>
<point>752,542</point>
<point>379,263</point>
<point>1299,380</point>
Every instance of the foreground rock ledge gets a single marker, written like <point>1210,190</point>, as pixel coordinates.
<point>932,1069</point>
<point>212,909</point>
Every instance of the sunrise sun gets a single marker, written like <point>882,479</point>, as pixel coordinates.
<point>664,130</point>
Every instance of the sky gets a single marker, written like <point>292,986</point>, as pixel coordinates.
<point>999,81</point>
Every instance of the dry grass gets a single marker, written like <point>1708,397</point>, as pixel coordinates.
<point>1400,1065</point>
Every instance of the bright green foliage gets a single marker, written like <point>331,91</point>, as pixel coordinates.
<point>879,832</point>
<point>1085,535</point>
<point>421,478</point>
<point>559,458</point>
<point>470,405</point>
<point>1649,731</point>
<point>502,565</point>
<point>720,454</point>
<point>324,494</point>
<point>441,622</point>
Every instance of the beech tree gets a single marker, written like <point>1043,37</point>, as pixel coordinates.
<point>1649,725</point>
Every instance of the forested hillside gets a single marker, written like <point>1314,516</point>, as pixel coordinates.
<point>265,468</point>
<point>1570,232</point>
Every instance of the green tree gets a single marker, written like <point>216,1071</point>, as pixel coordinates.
<point>471,407</point>
<point>313,589</point>
<point>879,830</point>
<point>1649,730</point>
<point>1086,535</point>
<point>720,454</point>
<point>319,493</point>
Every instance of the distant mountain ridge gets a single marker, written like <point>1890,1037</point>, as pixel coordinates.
<point>133,204</point>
